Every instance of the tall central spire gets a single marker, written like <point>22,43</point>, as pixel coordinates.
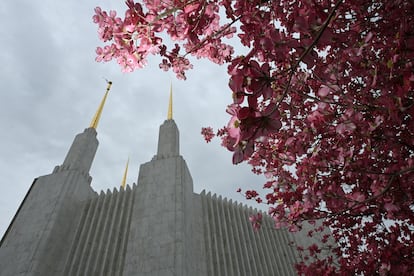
<point>168,139</point>
<point>95,119</point>
<point>170,106</point>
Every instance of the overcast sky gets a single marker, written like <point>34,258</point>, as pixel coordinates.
<point>51,87</point>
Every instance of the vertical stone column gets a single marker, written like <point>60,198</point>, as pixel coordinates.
<point>39,237</point>
<point>168,140</point>
<point>161,237</point>
<point>82,152</point>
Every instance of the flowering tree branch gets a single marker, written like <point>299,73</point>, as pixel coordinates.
<point>323,106</point>
<point>309,48</point>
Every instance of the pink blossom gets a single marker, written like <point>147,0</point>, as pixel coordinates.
<point>293,228</point>
<point>391,209</point>
<point>106,53</point>
<point>356,197</point>
<point>251,194</point>
<point>345,128</point>
<point>208,133</point>
<point>384,269</point>
<point>316,118</point>
<point>323,91</point>
<point>233,127</point>
<point>256,221</point>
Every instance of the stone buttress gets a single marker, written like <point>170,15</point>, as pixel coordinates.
<point>38,238</point>
<point>162,236</point>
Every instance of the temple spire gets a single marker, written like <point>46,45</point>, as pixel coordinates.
<point>123,183</point>
<point>169,115</point>
<point>95,119</point>
<point>168,138</point>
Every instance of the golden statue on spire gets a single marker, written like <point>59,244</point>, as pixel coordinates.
<point>169,115</point>
<point>95,119</point>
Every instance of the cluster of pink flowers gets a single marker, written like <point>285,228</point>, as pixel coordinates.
<point>323,105</point>
<point>256,221</point>
<point>208,133</point>
<point>135,37</point>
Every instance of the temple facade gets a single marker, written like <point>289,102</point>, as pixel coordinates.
<point>157,227</point>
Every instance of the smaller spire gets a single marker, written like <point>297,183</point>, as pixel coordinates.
<point>123,183</point>
<point>169,115</point>
<point>95,119</point>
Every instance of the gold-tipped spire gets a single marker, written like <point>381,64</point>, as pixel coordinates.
<point>123,183</point>
<point>95,119</point>
<point>169,115</point>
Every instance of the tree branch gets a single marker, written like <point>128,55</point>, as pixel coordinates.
<point>309,48</point>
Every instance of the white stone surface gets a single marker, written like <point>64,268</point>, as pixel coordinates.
<point>159,227</point>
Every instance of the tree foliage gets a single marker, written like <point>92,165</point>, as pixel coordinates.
<point>323,105</point>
